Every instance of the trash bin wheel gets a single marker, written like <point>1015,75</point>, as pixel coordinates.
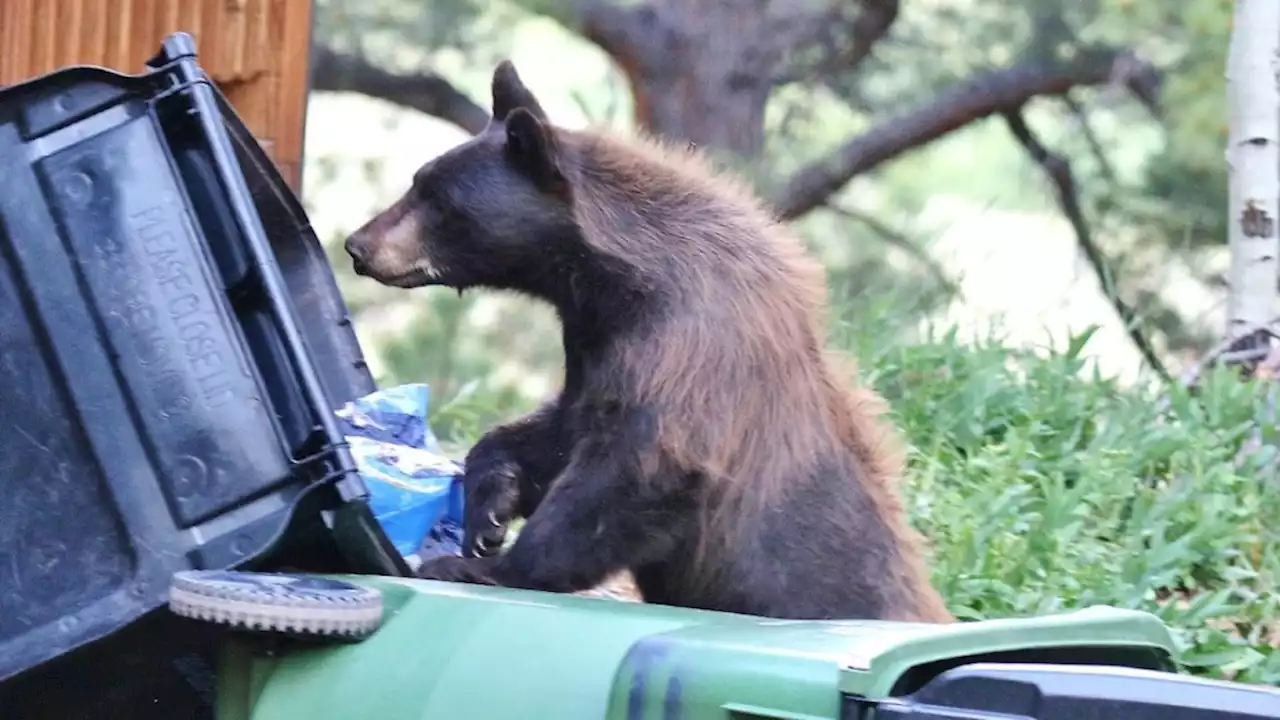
<point>306,605</point>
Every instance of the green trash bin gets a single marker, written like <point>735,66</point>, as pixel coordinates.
<point>456,651</point>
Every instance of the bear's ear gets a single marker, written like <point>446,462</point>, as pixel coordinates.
<point>510,93</point>
<point>531,147</point>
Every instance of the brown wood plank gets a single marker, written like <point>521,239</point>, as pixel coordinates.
<point>295,85</point>
<point>256,50</point>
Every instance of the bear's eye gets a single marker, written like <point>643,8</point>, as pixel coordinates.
<point>422,179</point>
<point>426,189</point>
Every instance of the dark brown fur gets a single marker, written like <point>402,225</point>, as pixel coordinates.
<point>703,439</point>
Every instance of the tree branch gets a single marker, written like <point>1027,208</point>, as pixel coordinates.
<point>1090,137</point>
<point>873,23</point>
<point>1220,353</point>
<point>1058,169</point>
<point>425,92</point>
<point>989,93</point>
<point>631,36</point>
<point>616,30</point>
<point>902,242</point>
<point>875,18</point>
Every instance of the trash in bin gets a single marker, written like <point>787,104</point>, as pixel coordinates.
<point>414,490</point>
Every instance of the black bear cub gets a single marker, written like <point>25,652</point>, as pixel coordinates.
<point>702,439</point>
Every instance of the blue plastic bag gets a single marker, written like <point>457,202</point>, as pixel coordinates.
<point>414,490</point>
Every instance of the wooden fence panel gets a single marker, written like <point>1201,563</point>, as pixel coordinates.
<point>256,50</point>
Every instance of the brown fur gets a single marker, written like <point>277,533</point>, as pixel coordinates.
<point>725,353</point>
<point>739,420</point>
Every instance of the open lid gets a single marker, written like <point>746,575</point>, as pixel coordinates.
<point>174,343</point>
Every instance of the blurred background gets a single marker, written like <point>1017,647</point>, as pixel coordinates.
<point>1021,207</point>
<point>906,141</point>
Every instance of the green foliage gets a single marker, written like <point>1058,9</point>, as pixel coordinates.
<point>387,30</point>
<point>1160,188</point>
<point>1045,487</point>
<point>473,387</point>
<point>1185,183</point>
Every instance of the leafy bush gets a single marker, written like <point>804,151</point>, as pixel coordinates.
<point>1044,487</point>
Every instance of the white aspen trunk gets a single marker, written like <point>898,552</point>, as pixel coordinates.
<point>1253,164</point>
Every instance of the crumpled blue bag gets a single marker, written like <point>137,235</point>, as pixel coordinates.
<point>415,492</point>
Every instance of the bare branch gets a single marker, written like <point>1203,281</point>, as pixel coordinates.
<point>1222,353</point>
<point>1081,115</point>
<point>425,92</point>
<point>873,23</point>
<point>900,241</point>
<point>1058,169</point>
<point>989,93</point>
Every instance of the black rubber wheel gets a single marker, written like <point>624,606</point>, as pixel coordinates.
<point>305,605</point>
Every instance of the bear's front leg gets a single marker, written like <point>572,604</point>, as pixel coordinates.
<point>620,503</point>
<point>506,475</point>
<point>451,568</point>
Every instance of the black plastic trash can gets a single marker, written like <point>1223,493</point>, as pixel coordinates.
<point>172,345</point>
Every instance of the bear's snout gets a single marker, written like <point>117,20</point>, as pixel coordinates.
<point>389,247</point>
<point>357,251</point>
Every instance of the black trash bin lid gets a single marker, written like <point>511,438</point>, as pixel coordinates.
<point>277,602</point>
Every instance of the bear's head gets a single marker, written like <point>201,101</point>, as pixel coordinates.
<point>495,211</point>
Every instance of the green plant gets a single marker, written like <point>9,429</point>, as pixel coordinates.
<point>1044,486</point>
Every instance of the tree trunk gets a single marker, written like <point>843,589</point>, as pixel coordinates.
<point>702,71</point>
<point>1253,165</point>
